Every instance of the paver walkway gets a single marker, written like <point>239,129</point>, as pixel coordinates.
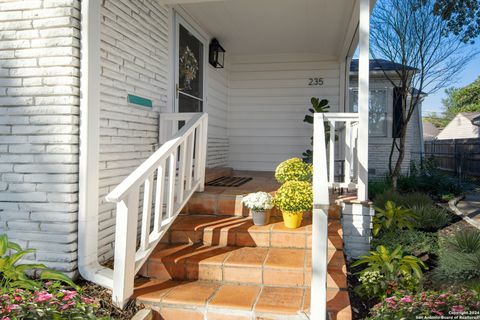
<point>470,208</point>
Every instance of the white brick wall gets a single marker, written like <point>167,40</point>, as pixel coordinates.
<point>134,60</point>
<point>39,99</point>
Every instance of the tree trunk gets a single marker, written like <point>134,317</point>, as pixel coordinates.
<point>401,155</point>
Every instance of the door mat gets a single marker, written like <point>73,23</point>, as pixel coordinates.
<point>228,182</point>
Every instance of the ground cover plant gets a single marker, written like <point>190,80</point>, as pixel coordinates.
<point>459,258</point>
<point>51,295</point>
<point>403,305</point>
<point>413,242</point>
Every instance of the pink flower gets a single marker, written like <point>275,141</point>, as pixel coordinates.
<point>87,300</point>
<point>67,305</point>
<point>458,308</point>
<point>17,298</point>
<point>5,318</point>
<point>437,312</point>
<point>406,299</point>
<point>44,296</point>
<point>68,295</point>
<point>12,307</point>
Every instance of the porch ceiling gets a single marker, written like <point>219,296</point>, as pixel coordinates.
<point>276,26</point>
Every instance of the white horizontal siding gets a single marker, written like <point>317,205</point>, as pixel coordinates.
<point>217,99</point>
<point>269,98</point>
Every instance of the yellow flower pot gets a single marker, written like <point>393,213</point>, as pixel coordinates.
<point>292,220</point>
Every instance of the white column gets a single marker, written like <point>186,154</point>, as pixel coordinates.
<point>363,93</point>
<point>318,303</point>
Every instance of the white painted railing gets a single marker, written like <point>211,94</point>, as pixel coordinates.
<point>168,179</point>
<point>344,126</point>
<point>321,201</point>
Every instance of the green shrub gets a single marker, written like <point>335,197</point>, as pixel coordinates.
<point>407,200</point>
<point>294,196</point>
<point>12,273</point>
<point>294,170</point>
<point>388,271</point>
<point>459,258</point>
<point>451,304</point>
<point>412,241</point>
<point>393,217</point>
<point>377,187</point>
<point>431,217</point>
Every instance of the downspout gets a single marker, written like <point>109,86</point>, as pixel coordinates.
<point>88,265</point>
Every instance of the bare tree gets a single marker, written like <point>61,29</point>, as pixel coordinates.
<point>409,33</point>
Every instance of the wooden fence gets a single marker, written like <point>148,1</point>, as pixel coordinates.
<point>460,156</point>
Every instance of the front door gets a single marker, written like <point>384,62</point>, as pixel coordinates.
<point>190,53</point>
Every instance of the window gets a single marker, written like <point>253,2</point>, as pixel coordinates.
<point>377,114</point>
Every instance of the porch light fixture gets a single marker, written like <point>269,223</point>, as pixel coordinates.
<point>216,55</point>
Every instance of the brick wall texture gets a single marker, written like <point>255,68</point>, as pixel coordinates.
<point>39,116</point>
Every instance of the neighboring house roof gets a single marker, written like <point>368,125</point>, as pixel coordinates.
<point>380,65</point>
<point>461,127</point>
<point>470,115</point>
<point>430,132</point>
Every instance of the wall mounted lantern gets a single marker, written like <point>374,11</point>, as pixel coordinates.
<point>216,55</point>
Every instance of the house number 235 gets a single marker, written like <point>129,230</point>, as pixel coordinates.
<point>315,81</point>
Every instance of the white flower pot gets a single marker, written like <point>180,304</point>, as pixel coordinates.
<point>260,218</point>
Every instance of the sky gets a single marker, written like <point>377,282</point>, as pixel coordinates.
<point>433,103</point>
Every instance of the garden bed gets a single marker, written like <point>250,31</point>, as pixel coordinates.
<point>424,259</point>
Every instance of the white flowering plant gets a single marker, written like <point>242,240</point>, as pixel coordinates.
<point>258,201</point>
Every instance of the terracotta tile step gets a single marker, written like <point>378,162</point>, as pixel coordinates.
<point>223,202</point>
<point>245,265</point>
<point>210,300</point>
<point>240,231</point>
<point>172,300</point>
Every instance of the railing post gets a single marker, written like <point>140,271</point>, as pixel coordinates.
<point>203,152</point>
<point>363,93</point>
<point>331,154</point>
<point>348,151</point>
<point>318,303</point>
<point>125,240</point>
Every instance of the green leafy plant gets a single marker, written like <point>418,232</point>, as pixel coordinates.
<point>391,271</point>
<point>459,258</point>
<point>294,169</point>
<point>406,200</point>
<point>294,196</point>
<point>412,241</point>
<point>402,305</point>
<point>12,273</point>
<point>393,217</point>
<point>317,106</point>
<point>430,217</point>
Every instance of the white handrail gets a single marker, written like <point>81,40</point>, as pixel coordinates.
<point>178,167</point>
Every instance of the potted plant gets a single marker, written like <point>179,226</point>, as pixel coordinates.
<point>259,204</point>
<point>293,198</point>
<point>294,169</point>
